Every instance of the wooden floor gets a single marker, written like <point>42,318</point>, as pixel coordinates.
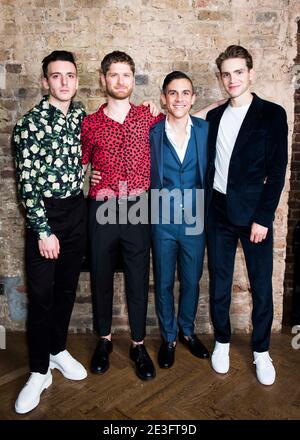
<point>190,390</point>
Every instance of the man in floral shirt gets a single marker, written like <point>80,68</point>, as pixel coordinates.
<point>50,179</point>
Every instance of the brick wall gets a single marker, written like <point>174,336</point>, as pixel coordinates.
<point>161,35</point>
<point>294,195</point>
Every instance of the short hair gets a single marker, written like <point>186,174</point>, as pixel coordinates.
<point>235,51</point>
<point>176,74</point>
<point>57,55</point>
<point>116,57</point>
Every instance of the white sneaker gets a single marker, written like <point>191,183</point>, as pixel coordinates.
<point>68,366</point>
<point>265,371</point>
<point>220,358</point>
<point>29,396</point>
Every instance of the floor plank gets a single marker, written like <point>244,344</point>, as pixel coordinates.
<point>190,390</point>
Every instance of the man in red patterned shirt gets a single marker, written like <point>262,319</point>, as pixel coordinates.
<point>115,140</point>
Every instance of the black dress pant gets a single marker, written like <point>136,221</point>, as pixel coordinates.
<point>134,242</point>
<point>222,242</point>
<point>52,283</point>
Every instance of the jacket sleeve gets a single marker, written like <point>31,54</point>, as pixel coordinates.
<point>276,163</point>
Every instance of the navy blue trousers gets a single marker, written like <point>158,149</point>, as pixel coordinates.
<point>222,238</point>
<point>170,245</point>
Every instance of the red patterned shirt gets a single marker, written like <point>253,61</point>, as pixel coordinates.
<point>121,152</point>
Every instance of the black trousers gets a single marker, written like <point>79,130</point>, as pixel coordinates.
<point>134,242</point>
<point>52,283</point>
<point>222,242</point>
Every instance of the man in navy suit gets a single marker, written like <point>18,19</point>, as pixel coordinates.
<point>178,168</point>
<point>247,158</point>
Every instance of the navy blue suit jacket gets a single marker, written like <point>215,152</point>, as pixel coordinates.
<point>258,162</point>
<point>156,151</point>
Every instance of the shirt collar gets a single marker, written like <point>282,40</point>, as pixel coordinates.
<point>131,114</point>
<point>45,104</point>
<point>169,129</point>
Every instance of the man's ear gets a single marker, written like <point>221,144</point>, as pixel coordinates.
<point>193,99</point>
<point>102,81</point>
<point>163,99</point>
<point>218,75</point>
<point>252,75</point>
<point>45,83</point>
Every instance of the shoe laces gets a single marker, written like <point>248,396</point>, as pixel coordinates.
<point>263,360</point>
<point>103,345</point>
<point>142,353</point>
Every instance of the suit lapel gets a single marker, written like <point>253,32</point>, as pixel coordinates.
<point>201,147</point>
<point>214,125</point>
<point>248,125</point>
<point>157,147</point>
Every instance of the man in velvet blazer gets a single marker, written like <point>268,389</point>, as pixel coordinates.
<point>178,165</point>
<point>247,158</point>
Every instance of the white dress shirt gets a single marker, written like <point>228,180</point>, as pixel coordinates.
<point>180,150</point>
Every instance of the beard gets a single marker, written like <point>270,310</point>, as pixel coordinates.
<point>124,94</point>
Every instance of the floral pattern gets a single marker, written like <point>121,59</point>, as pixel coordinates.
<point>48,159</point>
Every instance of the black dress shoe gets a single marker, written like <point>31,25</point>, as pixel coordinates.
<point>144,367</point>
<point>195,345</point>
<point>166,354</point>
<point>100,359</point>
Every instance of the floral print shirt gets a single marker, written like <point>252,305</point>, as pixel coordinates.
<point>48,159</point>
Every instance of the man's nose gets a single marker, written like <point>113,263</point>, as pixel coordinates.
<point>64,79</point>
<point>121,80</point>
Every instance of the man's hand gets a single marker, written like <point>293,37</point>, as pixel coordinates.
<point>49,247</point>
<point>154,110</point>
<point>258,233</point>
<point>95,177</point>
<point>203,112</point>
